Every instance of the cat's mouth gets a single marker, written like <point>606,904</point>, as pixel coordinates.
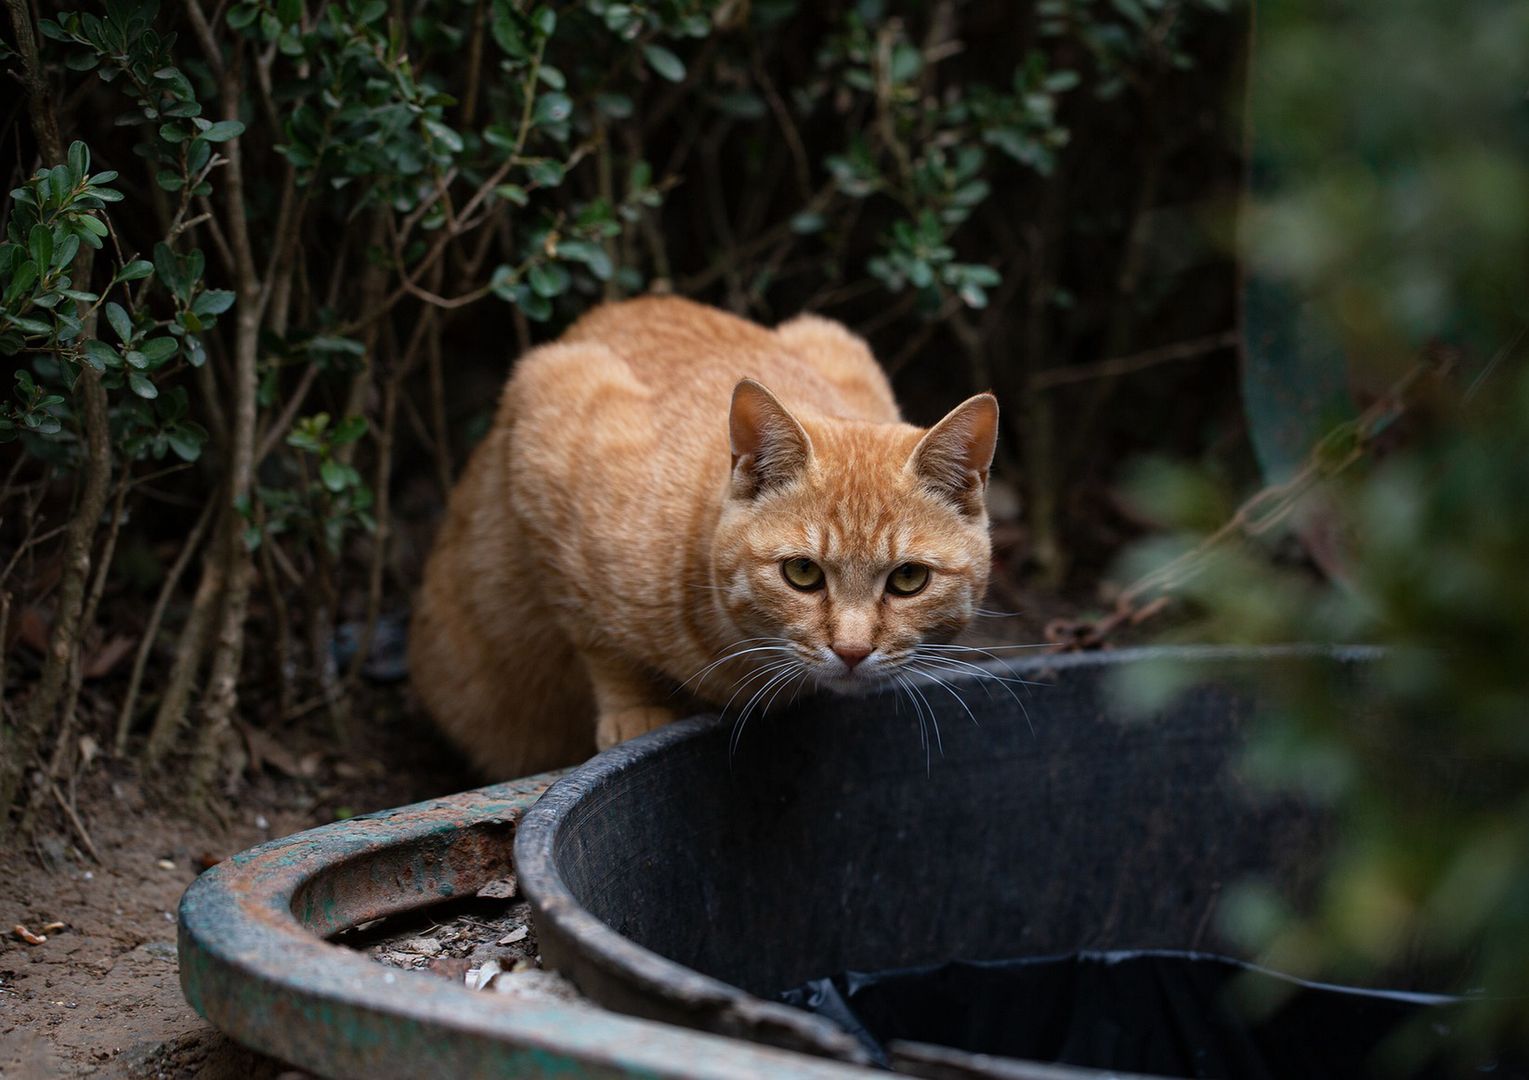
<point>866,676</point>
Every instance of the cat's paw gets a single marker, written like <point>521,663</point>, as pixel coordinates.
<point>623,724</point>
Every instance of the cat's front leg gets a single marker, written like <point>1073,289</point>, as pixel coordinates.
<point>629,702</point>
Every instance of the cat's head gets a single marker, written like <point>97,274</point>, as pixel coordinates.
<point>852,543</point>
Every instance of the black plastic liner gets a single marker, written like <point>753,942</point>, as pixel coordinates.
<point>1166,1013</point>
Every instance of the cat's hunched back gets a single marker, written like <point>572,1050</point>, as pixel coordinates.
<point>629,518</point>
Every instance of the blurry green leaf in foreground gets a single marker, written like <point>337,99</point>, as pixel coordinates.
<point>1432,855</point>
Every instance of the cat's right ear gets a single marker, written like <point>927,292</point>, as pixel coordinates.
<point>770,447</point>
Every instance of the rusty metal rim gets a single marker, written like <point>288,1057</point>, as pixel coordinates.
<point>259,971</point>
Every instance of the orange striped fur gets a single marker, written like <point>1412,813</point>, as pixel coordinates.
<point>622,529</point>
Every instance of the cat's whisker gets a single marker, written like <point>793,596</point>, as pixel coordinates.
<point>918,710</point>
<point>974,669</point>
<point>735,655</point>
<point>954,647</point>
<point>919,653</point>
<point>991,652</point>
<point>986,613</point>
<point>765,708</point>
<point>933,718</point>
<point>748,709</point>
<point>929,674</point>
<point>742,682</point>
<point>963,667</point>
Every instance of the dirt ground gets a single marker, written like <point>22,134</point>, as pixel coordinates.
<point>101,996</point>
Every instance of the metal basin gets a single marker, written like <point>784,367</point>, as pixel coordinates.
<point>674,881</point>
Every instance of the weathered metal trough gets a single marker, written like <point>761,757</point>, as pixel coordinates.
<point>680,886</point>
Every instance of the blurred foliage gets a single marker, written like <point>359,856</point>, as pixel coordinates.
<point>1393,146</point>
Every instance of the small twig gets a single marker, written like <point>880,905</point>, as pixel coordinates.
<point>280,616</point>
<point>380,535</point>
<point>5,627</point>
<point>794,144</point>
<point>79,826</point>
<point>442,437</point>
<point>156,616</point>
<point>1134,362</point>
<point>1257,515</point>
<point>277,428</point>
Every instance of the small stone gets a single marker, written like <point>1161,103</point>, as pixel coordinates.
<point>503,888</point>
<point>422,946</point>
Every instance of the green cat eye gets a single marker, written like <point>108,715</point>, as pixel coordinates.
<point>803,574</point>
<point>907,579</point>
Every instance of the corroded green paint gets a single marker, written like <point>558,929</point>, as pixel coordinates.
<point>254,962</point>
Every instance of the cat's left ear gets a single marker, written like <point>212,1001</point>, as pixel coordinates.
<point>770,447</point>
<point>954,456</point>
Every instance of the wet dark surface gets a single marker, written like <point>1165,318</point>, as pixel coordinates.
<point>1162,1013</point>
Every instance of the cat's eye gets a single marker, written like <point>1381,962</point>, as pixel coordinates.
<point>907,579</point>
<point>803,574</point>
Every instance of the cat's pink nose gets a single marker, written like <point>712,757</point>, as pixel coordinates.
<point>852,654</point>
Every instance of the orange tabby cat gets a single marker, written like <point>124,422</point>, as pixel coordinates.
<point>647,528</point>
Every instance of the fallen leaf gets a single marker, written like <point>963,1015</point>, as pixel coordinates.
<point>105,659</point>
<point>264,750</point>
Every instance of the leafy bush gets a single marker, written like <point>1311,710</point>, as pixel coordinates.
<point>325,226</point>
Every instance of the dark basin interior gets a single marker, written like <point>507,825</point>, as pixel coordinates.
<point>675,881</point>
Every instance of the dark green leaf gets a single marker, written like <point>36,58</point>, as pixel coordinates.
<point>31,326</point>
<point>140,385</point>
<point>120,322</point>
<point>213,302</point>
<point>590,254</point>
<point>548,279</point>
<point>166,266</point>
<point>241,15</point>
<point>664,62</point>
<point>349,430</point>
<point>187,441</point>
<point>334,475</point>
<point>133,271</point>
<point>553,108</point>
<point>546,173</point>
<point>223,130</point>
<point>40,245</point>
<point>101,355</point>
<point>445,135</point>
<point>64,250</point>
<point>158,350</point>
<point>22,280</point>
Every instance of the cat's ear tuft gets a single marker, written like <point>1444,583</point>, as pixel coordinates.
<point>954,456</point>
<point>770,447</point>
